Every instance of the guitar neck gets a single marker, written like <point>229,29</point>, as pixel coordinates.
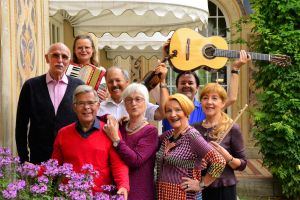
<point>236,54</point>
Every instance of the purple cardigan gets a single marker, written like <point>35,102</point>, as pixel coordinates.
<point>234,144</point>
<point>138,152</point>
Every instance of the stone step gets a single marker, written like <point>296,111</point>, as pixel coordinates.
<point>257,181</point>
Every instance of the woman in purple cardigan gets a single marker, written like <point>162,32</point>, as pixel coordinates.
<point>231,146</point>
<point>138,144</point>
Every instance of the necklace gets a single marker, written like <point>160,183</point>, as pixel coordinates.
<point>130,130</point>
<point>207,124</point>
<point>173,139</point>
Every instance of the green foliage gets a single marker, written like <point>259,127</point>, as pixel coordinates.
<point>277,119</point>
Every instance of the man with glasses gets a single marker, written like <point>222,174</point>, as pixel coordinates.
<point>85,142</point>
<point>45,105</point>
<point>117,80</point>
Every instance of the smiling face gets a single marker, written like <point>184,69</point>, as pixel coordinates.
<point>175,115</point>
<point>83,51</point>
<point>135,105</point>
<point>212,104</point>
<point>116,83</point>
<point>86,107</point>
<point>187,85</point>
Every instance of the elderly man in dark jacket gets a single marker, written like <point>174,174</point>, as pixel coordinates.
<point>45,105</point>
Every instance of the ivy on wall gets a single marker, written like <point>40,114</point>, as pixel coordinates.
<point>277,119</point>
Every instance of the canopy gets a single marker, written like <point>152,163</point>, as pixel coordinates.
<point>131,16</point>
<point>137,46</point>
<point>131,27</point>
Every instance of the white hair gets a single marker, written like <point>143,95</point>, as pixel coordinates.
<point>138,88</point>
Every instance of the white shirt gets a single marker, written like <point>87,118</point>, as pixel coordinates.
<point>119,110</point>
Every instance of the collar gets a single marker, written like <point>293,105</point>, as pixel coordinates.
<point>50,79</point>
<point>96,125</point>
<point>197,103</point>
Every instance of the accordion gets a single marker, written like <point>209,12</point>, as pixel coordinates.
<point>90,74</point>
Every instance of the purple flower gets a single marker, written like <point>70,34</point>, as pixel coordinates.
<point>9,194</point>
<point>5,152</point>
<point>77,195</point>
<point>117,197</point>
<point>28,169</point>
<point>109,188</point>
<point>20,184</point>
<point>66,169</point>
<point>101,196</point>
<point>38,188</point>
<point>43,179</point>
<point>52,168</point>
<point>89,169</point>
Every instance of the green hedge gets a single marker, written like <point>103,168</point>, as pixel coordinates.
<point>277,118</point>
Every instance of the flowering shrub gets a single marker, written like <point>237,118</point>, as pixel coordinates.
<point>49,181</point>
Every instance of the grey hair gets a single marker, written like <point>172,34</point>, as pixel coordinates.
<point>138,88</point>
<point>84,89</point>
<point>124,72</point>
<point>58,44</point>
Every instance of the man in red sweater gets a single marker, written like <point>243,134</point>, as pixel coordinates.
<point>84,142</point>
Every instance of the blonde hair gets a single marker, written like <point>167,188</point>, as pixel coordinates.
<point>185,103</point>
<point>225,121</point>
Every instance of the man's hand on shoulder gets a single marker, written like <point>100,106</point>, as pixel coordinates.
<point>124,192</point>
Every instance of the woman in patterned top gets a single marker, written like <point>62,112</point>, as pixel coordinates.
<point>231,146</point>
<point>181,151</point>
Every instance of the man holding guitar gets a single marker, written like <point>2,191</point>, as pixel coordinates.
<point>187,83</point>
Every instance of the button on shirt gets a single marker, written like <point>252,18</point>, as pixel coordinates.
<point>118,110</point>
<point>57,89</point>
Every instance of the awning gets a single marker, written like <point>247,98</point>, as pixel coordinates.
<point>124,45</point>
<point>131,16</point>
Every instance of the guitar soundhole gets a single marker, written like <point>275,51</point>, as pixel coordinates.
<point>208,51</point>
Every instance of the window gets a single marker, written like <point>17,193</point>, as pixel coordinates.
<point>56,29</point>
<point>216,26</point>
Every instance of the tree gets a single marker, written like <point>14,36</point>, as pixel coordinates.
<point>277,118</point>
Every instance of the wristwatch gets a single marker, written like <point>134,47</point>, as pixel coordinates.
<point>116,143</point>
<point>163,85</point>
<point>233,71</point>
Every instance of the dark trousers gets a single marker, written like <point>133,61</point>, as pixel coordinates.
<point>222,193</point>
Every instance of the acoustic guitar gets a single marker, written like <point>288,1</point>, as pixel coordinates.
<point>194,51</point>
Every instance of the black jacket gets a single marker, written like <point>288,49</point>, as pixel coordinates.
<point>36,122</point>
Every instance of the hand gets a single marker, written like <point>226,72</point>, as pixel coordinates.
<point>226,155</point>
<point>189,184</point>
<point>244,58</point>
<point>123,120</point>
<point>165,48</point>
<point>102,94</point>
<point>124,192</point>
<point>111,128</point>
<point>162,70</point>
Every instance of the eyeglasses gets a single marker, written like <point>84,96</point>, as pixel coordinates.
<point>137,100</point>
<point>82,104</point>
<point>84,48</point>
<point>58,56</point>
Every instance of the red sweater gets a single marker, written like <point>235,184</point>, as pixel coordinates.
<point>96,149</point>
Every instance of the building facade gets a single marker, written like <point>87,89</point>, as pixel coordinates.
<point>27,30</point>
